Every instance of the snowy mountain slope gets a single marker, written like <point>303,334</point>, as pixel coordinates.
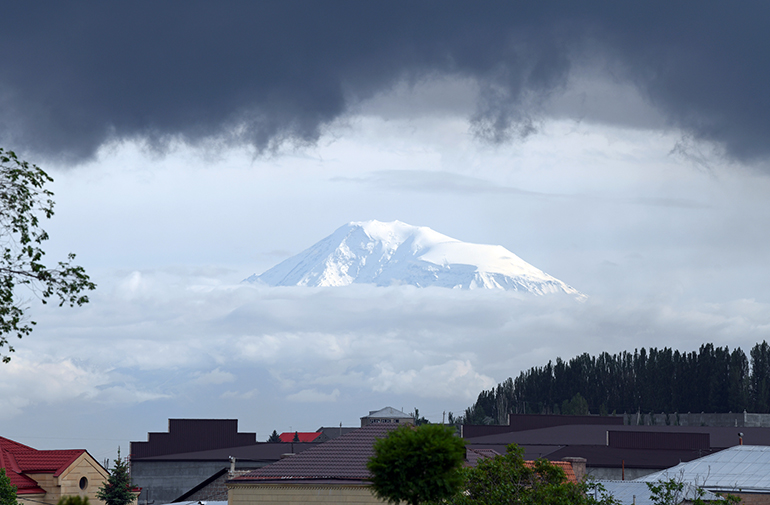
<point>396,253</point>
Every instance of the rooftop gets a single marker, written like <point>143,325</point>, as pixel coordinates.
<point>743,468</point>
<point>390,413</point>
<point>19,459</point>
<point>342,458</point>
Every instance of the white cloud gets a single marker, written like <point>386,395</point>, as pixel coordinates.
<point>215,376</point>
<point>670,254</point>
<point>27,381</point>
<point>453,379</point>
<point>240,395</point>
<point>314,396</point>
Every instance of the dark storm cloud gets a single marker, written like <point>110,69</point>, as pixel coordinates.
<point>77,75</point>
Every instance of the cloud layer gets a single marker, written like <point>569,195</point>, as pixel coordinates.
<point>265,354</point>
<point>78,76</point>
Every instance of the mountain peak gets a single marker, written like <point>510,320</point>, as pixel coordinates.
<point>384,254</point>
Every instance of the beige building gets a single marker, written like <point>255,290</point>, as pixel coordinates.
<point>43,477</point>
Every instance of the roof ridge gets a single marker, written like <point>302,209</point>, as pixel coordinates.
<point>12,445</point>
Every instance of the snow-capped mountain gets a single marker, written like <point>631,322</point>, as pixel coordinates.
<point>387,254</point>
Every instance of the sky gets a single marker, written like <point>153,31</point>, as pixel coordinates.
<point>620,147</point>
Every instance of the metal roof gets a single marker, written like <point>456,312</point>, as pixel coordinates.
<point>388,412</point>
<point>743,468</point>
<point>629,492</point>
<point>192,435</point>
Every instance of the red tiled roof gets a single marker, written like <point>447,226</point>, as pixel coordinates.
<point>564,465</point>
<point>12,446</point>
<point>342,458</point>
<point>19,459</point>
<point>54,462</point>
<point>288,436</point>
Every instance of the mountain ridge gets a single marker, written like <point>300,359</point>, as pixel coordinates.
<point>393,253</point>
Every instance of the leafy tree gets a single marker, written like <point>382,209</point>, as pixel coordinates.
<point>675,491</point>
<point>508,480</point>
<point>577,406</point>
<point>117,489</point>
<point>23,200</point>
<point>7,490</point>
<point>417,464</point>
<point>274,437</point>
<point>73,500</point>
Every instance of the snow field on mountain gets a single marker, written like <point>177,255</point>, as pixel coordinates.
<point>396,253</point>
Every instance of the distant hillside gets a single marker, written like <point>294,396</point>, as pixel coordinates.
<point>655,380</point>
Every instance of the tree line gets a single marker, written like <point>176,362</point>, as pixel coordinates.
<point>713,379</point>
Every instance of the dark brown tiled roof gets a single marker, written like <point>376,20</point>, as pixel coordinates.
<point>343,458</point>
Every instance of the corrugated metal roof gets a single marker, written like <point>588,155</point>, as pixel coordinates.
<point>741,468</point>
<point>192,435</point>
<point>262,451</point>
<point>524,422</point>
<point>720,437</point>
<point>665,440</point>
<point>388,412</point>
<point>630,492</point>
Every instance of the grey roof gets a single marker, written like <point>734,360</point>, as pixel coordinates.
<point>388,412</point>
<point>629,492</point>
<point>743,468</point>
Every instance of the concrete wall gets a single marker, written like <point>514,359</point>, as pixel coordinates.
<point>214,491</point>
<point>299,494</point>
<point>164,481</point>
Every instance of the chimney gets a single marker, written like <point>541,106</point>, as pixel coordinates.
<point>578,466</point>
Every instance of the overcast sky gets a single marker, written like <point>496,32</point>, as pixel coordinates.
<point>620,147</point>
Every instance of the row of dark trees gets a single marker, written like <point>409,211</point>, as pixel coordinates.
<point>714,379</point>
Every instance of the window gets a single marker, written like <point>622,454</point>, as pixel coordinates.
<point>83,483</point>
